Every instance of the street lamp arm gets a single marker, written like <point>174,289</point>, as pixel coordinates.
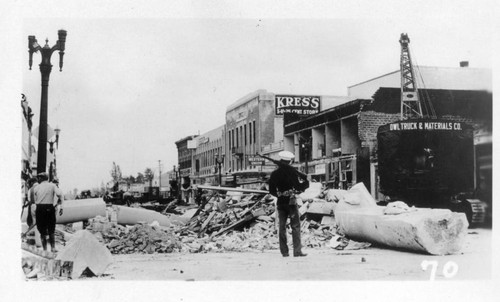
<point>33,46</point>
<point>60,45</point>
<point>61,54</point>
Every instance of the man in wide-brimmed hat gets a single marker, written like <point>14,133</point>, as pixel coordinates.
<point>284,183</point>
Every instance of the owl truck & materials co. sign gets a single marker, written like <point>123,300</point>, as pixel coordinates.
<point>426,125</point>
<point>298,104</point>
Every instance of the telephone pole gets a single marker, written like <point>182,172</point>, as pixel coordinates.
<point>159,178</point>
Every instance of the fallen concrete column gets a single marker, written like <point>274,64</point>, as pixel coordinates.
<point>433,231</point>
<point>78,210</point>
<point>131,216</point>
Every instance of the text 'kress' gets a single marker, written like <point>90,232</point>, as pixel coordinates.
<point>304,105</point>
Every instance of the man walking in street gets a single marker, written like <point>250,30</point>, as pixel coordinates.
<point>284,183</point>
<point>47,196</point>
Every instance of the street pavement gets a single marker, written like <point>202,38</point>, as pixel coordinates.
<point>373,263</point>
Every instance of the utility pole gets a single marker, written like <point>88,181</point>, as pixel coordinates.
<point>159,178</point>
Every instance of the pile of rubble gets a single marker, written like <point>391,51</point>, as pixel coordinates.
<point>223,222</point>
<point>141,238</point>
<point>219,214</point>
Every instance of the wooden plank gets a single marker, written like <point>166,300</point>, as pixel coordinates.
<point>202,206</point>
<point>236,224</point>
<point>207,221</point>
<point>229,189</point>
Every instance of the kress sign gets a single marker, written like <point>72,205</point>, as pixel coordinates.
<point>302,105</point>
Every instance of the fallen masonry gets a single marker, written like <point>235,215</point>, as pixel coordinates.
<point>42,265</point>
<point>423,230</point>
<point>244,220</point>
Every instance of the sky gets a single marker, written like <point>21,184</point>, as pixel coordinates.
<point>132,86</point>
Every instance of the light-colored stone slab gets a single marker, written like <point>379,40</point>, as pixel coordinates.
<point>433,231</point>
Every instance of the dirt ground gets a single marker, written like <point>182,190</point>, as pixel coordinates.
<point>373,263</point>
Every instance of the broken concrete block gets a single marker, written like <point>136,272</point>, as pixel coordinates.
<point>334,195</point>
<point>258,212</point>
<point>189,213</point>
<point>321,207</point>
<point>314,190</point>
<point>235,196</point>
<point>85,251</point>
<point>433,231</point>
<point>328,220</point>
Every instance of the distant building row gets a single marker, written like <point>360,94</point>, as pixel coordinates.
<point>337,144</point>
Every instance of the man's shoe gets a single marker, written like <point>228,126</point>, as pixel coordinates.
<point>300,255</point>
<point>286,255</point>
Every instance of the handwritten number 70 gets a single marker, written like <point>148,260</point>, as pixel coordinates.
<point>450,269</point>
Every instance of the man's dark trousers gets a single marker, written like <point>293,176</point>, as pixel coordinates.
<point>285,211</point>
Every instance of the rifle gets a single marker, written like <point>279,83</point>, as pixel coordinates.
<point>282,164</point>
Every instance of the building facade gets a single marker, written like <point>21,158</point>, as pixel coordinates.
<point>208,160</point>
<point>327,146</point>
<point>338,144</point>
<point>251,124</point>
<point>185,152</point>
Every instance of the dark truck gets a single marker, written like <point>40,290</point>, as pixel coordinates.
<point>428,163</point>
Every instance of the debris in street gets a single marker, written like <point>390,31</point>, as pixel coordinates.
<point>42,265</point>
<point>221,223</point>
<point>141,238</point>
<point>311,193</point>
<point>86,253</point>
<point>433,231</point>
<point>398,207</point>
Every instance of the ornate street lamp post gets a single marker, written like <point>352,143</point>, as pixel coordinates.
<point>45,69</point>
<point>219,160</point>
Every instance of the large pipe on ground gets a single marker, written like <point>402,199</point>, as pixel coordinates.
<point>131,216</point>
<point>77,210</point>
